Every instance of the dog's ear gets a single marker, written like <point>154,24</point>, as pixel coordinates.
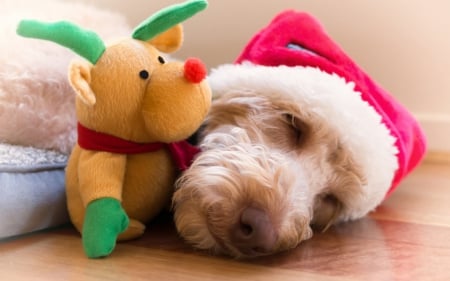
<point>326,211</point>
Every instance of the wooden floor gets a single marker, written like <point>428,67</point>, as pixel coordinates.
<point>407,238</point>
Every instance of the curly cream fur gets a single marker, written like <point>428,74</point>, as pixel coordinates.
<point>251,158</point>
<point>294,142</point>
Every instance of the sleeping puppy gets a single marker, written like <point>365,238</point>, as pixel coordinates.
<point>298,138</point>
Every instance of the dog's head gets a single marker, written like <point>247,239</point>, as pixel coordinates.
<point>280,155</point>
<point>303,137</point>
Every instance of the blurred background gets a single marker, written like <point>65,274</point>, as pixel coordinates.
<point>404,44</point>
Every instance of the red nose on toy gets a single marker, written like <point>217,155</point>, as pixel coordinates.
<point>194,70</point>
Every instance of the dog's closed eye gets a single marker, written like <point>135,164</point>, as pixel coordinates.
<point>298,128</point>
<point>326,211</point>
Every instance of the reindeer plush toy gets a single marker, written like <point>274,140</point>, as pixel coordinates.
<point>134,110</point>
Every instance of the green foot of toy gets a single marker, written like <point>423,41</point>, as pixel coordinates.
<point>105,219</point>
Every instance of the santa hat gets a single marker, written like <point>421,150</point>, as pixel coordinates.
<point>295,56</point>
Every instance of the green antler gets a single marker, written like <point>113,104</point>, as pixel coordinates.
<point>166,18</point>
<point>83,42</point>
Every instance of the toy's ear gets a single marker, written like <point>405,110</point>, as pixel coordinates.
<point>170,40</point>
<point>79,79</point>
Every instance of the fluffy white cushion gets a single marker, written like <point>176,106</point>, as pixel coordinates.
<point>36,102</point>
<point>37,112</point>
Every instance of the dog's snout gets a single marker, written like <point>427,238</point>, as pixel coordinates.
<point>254,233</point>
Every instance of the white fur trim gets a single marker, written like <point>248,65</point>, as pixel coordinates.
<point>331,97</point>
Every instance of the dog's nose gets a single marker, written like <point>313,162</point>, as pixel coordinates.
<point>254,233</point>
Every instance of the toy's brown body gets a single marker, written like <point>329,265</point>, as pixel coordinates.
<point>143,182</point>
<point>164,107</point>
<point>133,111</point>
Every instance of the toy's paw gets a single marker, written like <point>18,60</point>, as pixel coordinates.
<point>135,230</point>
<point>105,219</point>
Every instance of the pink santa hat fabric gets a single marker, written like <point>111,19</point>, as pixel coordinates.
<point>297,39</point>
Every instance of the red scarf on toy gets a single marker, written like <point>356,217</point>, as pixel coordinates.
<point>182,152</point>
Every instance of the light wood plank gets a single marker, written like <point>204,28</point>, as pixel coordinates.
<point>423,197</point>
<point>406,238</point>
<point>59,257</point>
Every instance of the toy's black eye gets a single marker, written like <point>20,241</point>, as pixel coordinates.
<point>161,60</point>
<point>143,74</point>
